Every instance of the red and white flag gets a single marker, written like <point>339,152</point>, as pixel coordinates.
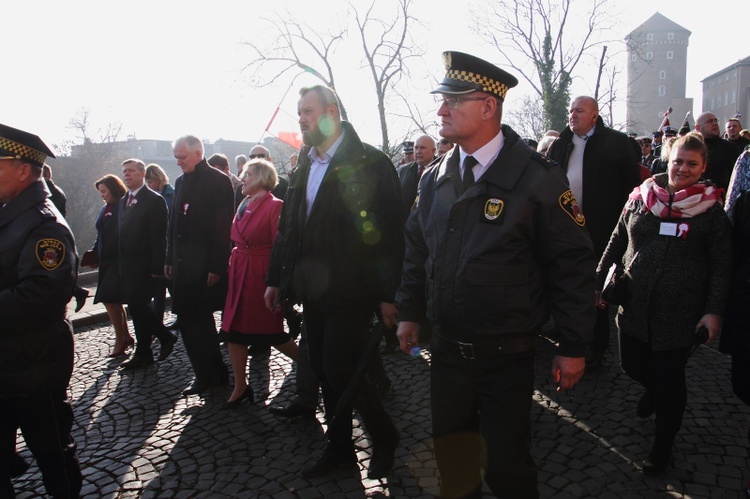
<point>284,126</point>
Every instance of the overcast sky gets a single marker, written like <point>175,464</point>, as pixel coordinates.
<point>166,68</point>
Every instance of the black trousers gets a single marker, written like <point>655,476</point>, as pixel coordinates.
<point>601,330</point>
<point>661,372</point>
<point>307,384</point>
<point>45,421</point>
<point>198,330</point>
<point>481,412</point>
<point>336,339</point>
<point>147,325</point>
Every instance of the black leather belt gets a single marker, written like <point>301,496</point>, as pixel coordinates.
<point>486,349</point>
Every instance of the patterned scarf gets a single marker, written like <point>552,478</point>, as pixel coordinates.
<point>686,203</point>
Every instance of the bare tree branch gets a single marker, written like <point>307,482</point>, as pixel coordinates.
<point>535,39</point>
<point>295,46</point>
<point>386,59</point>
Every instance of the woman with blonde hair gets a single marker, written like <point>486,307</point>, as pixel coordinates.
<point>246,320</point>
<point>157,181</point>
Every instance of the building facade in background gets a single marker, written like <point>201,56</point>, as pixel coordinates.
<point>726,93</point>
<point>657,74</point>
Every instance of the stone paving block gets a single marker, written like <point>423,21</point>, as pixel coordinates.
<point>137,426</point>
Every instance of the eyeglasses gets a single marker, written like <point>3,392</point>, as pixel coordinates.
<point>454,102</point>
<point>261,155</point>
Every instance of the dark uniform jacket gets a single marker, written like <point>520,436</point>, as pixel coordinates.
<point>349,251</point>
<point>199,241</point>
<point>495,260</point>
<point>610,172</point>
<point>408,176</point>
<point>142,244</point>
<point>57,196</point>
<point>38,263</point>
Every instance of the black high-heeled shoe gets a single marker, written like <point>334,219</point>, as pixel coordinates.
<point>233,404</point>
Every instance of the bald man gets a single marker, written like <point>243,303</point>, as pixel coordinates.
<point>602,169</point>
<point>409,174</point>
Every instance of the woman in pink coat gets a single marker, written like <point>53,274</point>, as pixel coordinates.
<point>246,320</point>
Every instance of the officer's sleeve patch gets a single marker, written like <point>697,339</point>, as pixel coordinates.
<point>570,206</point>
<point>50,253</point>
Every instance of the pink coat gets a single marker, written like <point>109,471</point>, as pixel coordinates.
<point>253,235</point>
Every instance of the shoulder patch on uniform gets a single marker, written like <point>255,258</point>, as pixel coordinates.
<point>570,206</point>
<point>50,253</point>
<point>542,159</point>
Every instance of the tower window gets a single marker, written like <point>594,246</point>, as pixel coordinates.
<point>662,90</point>
<point>670,55</point>
<point>649,56</point>
<point>670,36</point>
<point>649,36</point>
<point>662,75</point>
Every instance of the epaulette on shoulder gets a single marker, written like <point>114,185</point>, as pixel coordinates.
<point>542,159</point>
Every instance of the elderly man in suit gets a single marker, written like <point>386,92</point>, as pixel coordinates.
<point>197,256</point>
<point>143,244</point>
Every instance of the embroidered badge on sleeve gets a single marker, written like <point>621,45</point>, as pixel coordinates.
<point>570,206</point>
<point>50,253</point>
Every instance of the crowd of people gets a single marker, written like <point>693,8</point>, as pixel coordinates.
<point>471,243</point>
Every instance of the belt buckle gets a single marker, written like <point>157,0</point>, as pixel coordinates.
<point>466,350</point>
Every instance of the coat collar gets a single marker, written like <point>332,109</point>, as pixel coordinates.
<point>34,194</point>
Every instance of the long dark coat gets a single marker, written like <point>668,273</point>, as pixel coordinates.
<point>674,281</point>
<point>610,172</point>
<point>199,241</point>
<point>108,288</point>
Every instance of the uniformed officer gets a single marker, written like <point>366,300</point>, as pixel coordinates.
<point>495,243</point>
<point>38,263</point>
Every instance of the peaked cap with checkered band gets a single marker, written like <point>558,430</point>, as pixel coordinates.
<point>466,73</point>
<point>17,144</point>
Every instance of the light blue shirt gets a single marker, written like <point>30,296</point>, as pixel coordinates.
<point>318,167</point>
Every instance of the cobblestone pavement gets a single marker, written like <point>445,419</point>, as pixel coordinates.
<point>138,437</point>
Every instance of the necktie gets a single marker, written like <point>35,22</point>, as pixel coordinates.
<point>468,179</point>
<point>131,198</point>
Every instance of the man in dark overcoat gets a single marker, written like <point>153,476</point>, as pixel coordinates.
<point>38,263</point>
<point>338,252</point>
<point>197,257</point>
<point>603,170</point>
<point>143,245</point>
